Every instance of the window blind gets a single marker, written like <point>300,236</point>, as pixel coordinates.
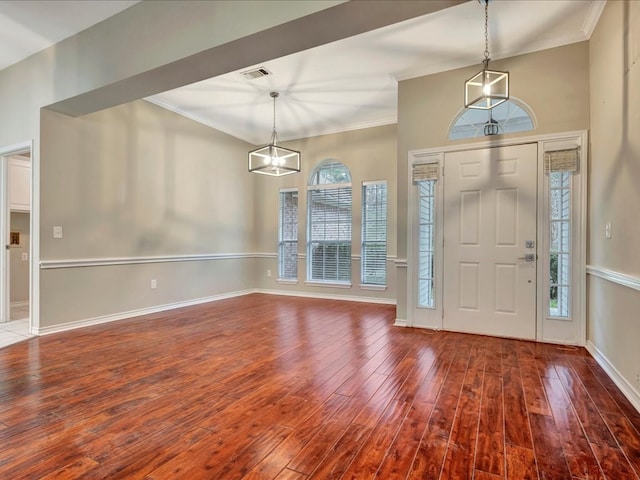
<point>374,234</point>
<point>329,234</point>
<point>288,235</point>
<point>425,171</point>
<point>561,160</point>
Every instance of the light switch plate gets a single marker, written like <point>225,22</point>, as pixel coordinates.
<point>57,232</point>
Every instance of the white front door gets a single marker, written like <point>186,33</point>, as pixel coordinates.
<point>490,199</point>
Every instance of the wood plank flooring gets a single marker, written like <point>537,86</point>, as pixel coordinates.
<point>264,387</point>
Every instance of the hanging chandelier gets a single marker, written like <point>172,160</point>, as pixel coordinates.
<point>487,88</point>
<point>272,159</point>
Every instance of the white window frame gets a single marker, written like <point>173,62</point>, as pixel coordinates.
<point>363,256</point>
<point>423,316</point>
<point>571,329</point>
<point>281,240</point>
<point>310,240</point>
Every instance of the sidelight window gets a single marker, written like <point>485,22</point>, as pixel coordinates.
<point>560,243</point>
<point>426,234</point>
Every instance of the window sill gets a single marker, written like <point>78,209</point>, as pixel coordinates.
<point>377,288</point>
<point>287,281</point>
<point>311,283</point>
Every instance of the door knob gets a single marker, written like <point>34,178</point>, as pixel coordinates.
<point>529,257</point>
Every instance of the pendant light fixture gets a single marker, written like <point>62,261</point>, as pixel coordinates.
<point>272,159</point>
<point>487,88</point>
<point>491,126</point>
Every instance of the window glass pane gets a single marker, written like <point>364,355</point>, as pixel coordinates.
<point>330,173</point>
<point>426,232</point>
<point>288,236</point>
<point>510,117</point>
<point>329,225</point>
<point>560,244</point>
<point>374,234</point>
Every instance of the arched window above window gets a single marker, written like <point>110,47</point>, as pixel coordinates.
<point>328,173</point>
<point>512,116</point>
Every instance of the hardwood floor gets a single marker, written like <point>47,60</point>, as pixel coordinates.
<point>264,387</point>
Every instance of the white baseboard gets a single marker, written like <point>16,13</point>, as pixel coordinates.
<point>400,322</point>
<point>325,296</point>
<point>135,313</point>
<point>187,303</point>
<point>627,388</point>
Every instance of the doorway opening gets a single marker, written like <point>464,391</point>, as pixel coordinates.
<point>15,229</point>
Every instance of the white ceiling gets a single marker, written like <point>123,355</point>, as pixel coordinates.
<point>352,83</point>
<point>336,87</point>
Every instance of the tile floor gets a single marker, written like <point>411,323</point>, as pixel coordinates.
<point>17,329</point>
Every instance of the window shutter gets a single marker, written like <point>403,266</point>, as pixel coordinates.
<point>562,160</point>
<point>425,171</point>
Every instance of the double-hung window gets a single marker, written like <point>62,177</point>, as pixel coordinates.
<point>288,235</point>
<point>374,233</point>
<point>329,224</point>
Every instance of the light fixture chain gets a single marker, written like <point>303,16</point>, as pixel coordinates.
<point>486,30</point>
<point>274,113</point>
<point>274,133</point>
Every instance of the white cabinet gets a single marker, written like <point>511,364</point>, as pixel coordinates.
<point>19,185</point>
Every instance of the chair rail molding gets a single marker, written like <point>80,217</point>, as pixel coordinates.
<point>623,279</point>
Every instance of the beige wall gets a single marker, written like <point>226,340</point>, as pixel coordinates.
<point>370,154</point>
<point>614,196</point>
<point>139,181</point>
<point>128,57</point>
<point>19,269</point>
<point>554,83</point>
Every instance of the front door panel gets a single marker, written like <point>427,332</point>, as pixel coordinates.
<point>489,216</point>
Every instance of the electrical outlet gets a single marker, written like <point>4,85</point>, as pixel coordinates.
<point>638,379</point>
<point>154,283</point>
<point>268,273</point>
<point>25,256</point>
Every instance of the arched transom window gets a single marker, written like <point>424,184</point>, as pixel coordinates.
<point>511,116</point>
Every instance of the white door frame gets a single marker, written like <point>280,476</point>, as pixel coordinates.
<point>5,218</point>
<point>547,330</point>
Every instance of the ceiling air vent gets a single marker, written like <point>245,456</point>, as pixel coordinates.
<point>256,73</point>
